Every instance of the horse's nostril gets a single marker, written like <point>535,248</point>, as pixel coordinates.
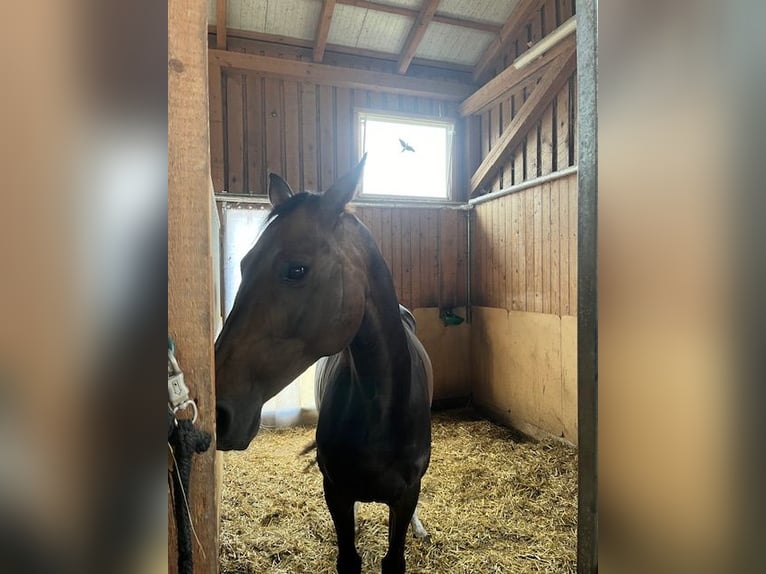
<point>222,419</point>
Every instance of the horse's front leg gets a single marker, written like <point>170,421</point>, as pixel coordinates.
<point>399,515</point>
<point>342,511</point>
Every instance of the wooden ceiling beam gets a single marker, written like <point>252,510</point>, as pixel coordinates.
<point>529,113</point>
<point>416,34</point>
<point>338,49</point>
<point>323,29</point>
<point>341,77</point>
<point>220,24</point>
<point>410,13</point>
<point>516,20</point>
<point>508,79</point>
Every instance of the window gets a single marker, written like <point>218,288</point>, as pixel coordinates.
<point>407,156</point>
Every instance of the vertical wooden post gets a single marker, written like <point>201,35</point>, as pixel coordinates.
<point>190,270</point>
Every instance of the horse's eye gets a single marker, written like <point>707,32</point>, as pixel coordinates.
<point>296,273</point>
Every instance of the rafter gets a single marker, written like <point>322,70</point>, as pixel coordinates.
<point>515,21</point>
<point>410,13</point>
<point>323,29</point>
<point>341,77</point>
<point>530,112</point>
<point>416,34</point>
<point>338,49</point>
<point>508,79</point>
<point>220,24</point>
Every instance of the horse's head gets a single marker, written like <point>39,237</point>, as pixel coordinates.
<point>302,297</point>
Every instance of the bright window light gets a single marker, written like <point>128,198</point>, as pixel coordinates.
<point>406,156</point>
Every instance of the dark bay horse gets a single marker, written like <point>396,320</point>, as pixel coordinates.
<point>315,285</point>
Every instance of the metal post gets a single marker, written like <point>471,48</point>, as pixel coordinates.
<point>587,315</point>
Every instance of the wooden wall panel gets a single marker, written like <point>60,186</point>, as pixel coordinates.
<point>525,250</point>
<point>550,144</point>
<point>512,384</point>
<point>301,130</point>
<point>425,249</point>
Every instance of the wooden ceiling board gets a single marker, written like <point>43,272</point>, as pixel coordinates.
<point>453,44</point>
<point>494,11</point>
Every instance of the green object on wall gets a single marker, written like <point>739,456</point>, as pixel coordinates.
<point>449,318</point>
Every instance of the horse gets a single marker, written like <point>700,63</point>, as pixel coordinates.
<point>329,368</point>
<point>316,285</point>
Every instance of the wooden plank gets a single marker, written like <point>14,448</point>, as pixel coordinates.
<point>342,77</point>
<point>518,255</point>
<point>548,15</point>
<point>486,248</point>
<point>509,79</point>
<point>498,256</point>
<point>462,264</point>
<point>344,130</point>
<point>323,29</point>
<point>448,248</point>
<point>190,272</point>
<point>546,246</point>
<point>217,150</point>
<point>528,115</point>
<point>489,257</point>
<point>444,19</point>
<point>494,135</point>
<point>274,129</point>
<point>220,24</point>
<point>521,13</point>
<point>396,250</point>
<point>292,138</point>
<point>256,135</point>
<point>533,137</point>
<point>564,246</point>
<point>429,260</point>
<point>417,31</point>
<point>326,130</point>
<point>235,135</point>
<point>562,127</point>
<point>406,246</point>
<point>529,224</point>
<point>573,246</point>
<point>506,175</point>
<point>538,247</point>
<point>518,153</point>
<point>511,249</point>
<point>385,236</point>
<point>416,243</point>
<point>309,135</point>
<point>546,140</point>
<point>503,206</point>
<point>555,249</point>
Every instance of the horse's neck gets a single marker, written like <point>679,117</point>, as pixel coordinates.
<point>380,351</point>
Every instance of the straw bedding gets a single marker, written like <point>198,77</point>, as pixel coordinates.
<point>490,503</point>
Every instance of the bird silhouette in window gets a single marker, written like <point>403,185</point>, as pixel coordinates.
<point>406,146</point>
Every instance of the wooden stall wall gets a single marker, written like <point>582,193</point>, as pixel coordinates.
<point>524,297</point>
<point>550,145</point>
<point>302,130</point>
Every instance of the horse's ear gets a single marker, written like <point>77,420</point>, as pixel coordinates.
<point>279,190</point>
<point>342,191</point>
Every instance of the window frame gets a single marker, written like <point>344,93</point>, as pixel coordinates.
<point>415,118</point>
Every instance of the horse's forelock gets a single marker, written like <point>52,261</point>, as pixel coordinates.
<point>291,204</point>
